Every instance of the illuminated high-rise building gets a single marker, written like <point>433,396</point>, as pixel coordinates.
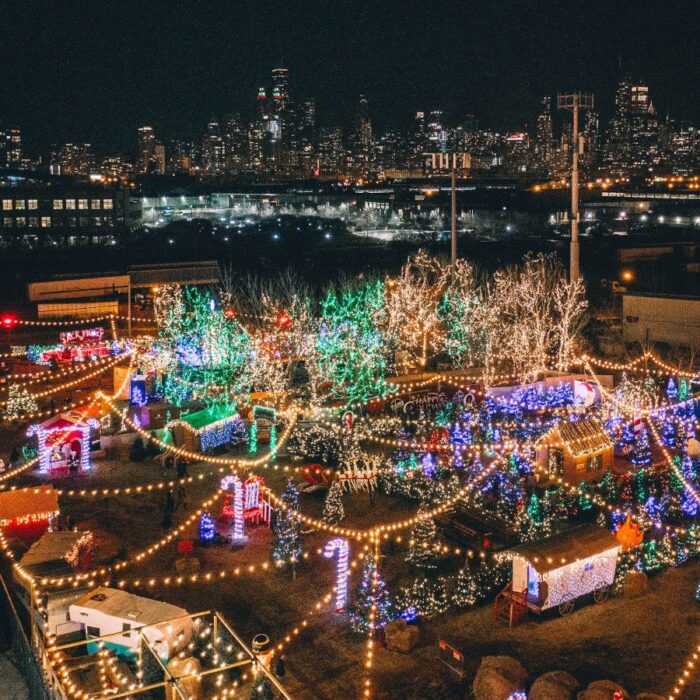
<point>151,153</point>
<point>10,147</point>
<point>544,140</point>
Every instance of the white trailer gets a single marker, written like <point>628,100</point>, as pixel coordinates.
<point>118,619</point>
<point>555,572</point>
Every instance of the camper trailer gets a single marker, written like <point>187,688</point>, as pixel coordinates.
<point>118,619</point>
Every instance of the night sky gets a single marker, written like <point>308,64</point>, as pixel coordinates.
<point>95,71</point>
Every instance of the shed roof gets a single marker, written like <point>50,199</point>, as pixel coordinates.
<point>52,546</point>
<point>20,503</point>
<point>556,552</point>
<point>128,606</point>
<point>584,436</point>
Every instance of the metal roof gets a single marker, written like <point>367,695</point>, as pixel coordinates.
<point>559,551</point>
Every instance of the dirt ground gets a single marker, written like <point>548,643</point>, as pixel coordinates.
<point>642,643</point>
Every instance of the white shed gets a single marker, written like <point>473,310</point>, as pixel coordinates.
<point>558,570</point>
<point>110,611</point>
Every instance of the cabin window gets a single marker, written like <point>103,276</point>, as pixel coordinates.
<point>93,631</point>
<point>125,629</point>
<point>594,463</point>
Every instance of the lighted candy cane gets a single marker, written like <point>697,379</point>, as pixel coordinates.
<point>234,481</point>
<point>341,595</point>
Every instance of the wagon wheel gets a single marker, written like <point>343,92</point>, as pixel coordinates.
<point>566,606</point>
<point>601,594</point>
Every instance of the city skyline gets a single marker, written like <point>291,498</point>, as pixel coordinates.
<point>122,70</point>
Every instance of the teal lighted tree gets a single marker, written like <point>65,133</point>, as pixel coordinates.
<point>350,345</point>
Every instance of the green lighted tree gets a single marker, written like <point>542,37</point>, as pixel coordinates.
<point>350,345</point>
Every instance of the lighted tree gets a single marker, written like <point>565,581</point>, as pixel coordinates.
<point>371,593</point>
<point>641,456</point>
<point>20,402</point>
<point>333,510</point>
<point>668,432</point>
<point>286,549</point>
<point>683,390</point>
<point>350,346</point>
<point>671,390</point>
<point>424,545</point>
<point>262,688</point>
<point>465,593</point>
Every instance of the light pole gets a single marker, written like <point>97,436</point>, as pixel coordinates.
<point>574,101</point>
<point>453,217</point>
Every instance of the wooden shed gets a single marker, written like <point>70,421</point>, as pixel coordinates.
<point>206,429</point>
<point>576,450</point>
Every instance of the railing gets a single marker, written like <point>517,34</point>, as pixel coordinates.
<point>27,662</point>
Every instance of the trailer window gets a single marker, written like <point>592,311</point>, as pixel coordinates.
<point>125,629</point>
<point>93,631</point>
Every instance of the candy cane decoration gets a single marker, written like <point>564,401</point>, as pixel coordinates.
<point>341,595</point>
<point>226,482</point>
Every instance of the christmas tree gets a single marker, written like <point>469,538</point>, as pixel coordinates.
<point>641,457</point>
<point>333,510</point>
<point>640,489</point>
<point>424,546</point>
<point>671,390</point>
<point>668,432</point>
<point>627,436</point>
<point>207,530</point>
<point>19,403</point>
<point>464,595</point>
<point>423,598</point>
<point>627,491</point>
<point>371,592</point>
<point>262,688</point>
<point>287,539</point>
<point>683,390</point>
<point>584,497</point>
<point>534,510</point>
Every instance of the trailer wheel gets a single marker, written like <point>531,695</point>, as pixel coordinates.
<point>601,594</point>
<point>566,607</point>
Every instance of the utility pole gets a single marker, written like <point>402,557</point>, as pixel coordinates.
<point>574,101</point>
<point>453,200</point>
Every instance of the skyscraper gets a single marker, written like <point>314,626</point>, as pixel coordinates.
<point>10,147</point>
<point>151,154</point>
<point>362,138</point>
<point>544,140</point>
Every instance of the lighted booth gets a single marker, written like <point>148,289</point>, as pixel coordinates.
<point>207,429</point>
<point>27,513</point>
<point>64,442</point>
<point>577,451</point>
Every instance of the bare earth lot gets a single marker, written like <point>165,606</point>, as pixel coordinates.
<point>642,643</point>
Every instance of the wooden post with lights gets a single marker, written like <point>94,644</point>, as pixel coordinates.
<point>453,217</point>
<point>574,101</point>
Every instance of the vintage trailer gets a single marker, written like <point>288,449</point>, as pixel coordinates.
<point>555,572</point>
<point>118,619</point>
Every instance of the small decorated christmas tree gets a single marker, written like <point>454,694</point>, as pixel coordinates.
<point>668,432</point>
<point>683,390</point>
<point>641,456</point>
<point>424,546</point>
<point>465,589</point>
<point>584,497</point>
<point>19,403</point>
<point>671,390</point>
<point>286,549</point>
<point>333,510</point>
<point>262,688</point>
<point>207,530</point>
<point>371,592</point>
<point>640,487</point>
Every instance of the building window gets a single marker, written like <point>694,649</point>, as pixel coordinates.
<point>70,204</point>
<point>21,222</point>
<point>97,221</point>
<point>632,319</point>
<point>95,204</point>
<point>107,204</point>
<point>594,463</point>
<point>7,204</point>
<point>33,222</point>
<point>72,220</point>
<point>32,204</point>
<point>58,204</point>
<point>82,204</point>
<point>93,631</point>
<point>45,221</point>
<point>7,222</point>
<point>83,221</point>
<point>19,204</point>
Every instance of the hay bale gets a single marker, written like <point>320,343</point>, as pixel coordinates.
<point>187,566</point>
<point>554,685</point>
<point>400,636</point>
<point>602,690</point>
<point>635,583</point>
<point>498,677</point>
